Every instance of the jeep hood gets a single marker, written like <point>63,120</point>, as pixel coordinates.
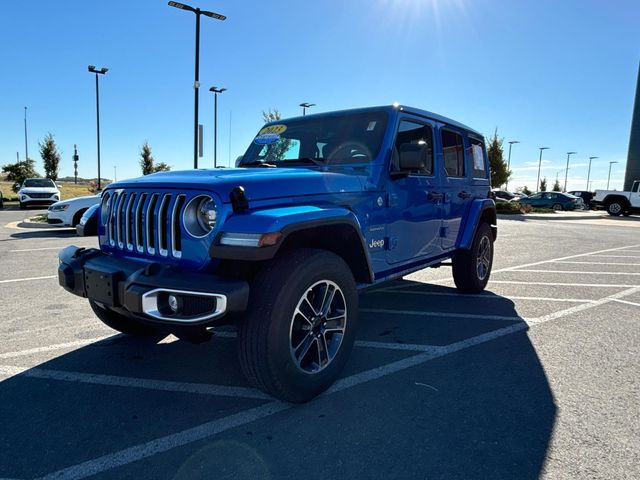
<point>259,183</point>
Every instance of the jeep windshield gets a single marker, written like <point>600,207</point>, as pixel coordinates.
<point>328,140</point>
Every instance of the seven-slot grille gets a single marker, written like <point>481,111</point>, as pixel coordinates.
<point>145,222</point>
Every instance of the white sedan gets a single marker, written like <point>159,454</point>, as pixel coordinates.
<point>68,213</point>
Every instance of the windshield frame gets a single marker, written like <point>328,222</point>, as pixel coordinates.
<point>39,180</point>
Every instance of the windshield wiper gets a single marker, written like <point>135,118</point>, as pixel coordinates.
<point>258,163</point>
<point>315,161</point>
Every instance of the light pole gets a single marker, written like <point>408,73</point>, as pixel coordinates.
<point>101,71</point>
<point>589,172</point>
<point>506,185</point>
<point>196,83</point>
<point>215,91</point>
<point>306,105</point>
<point>609,177</point>
<point>566,173</point>
<point>26,149</point>
<point>539,166</point>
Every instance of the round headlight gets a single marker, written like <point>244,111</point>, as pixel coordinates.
<point>207,214</point>
<point>200,216</point>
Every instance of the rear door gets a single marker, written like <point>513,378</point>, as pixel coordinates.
<point>456,184</point>
<point>634,198</point>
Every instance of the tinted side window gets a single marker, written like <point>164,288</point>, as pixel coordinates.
<point>635,187</point>
<point>414,138</point>
<point>452,153</point>
<point>476,153</point>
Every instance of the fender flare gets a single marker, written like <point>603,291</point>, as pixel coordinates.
<point>287,221</point>
<point>478,209</point>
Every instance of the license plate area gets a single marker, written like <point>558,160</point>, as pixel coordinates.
<point>102,286</point>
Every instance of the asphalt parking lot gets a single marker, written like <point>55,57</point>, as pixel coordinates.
<point>536,378</point>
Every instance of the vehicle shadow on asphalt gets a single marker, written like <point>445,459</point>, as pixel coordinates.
<point>481,412</point>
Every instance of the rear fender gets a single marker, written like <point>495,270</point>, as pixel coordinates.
<point>481,210</point>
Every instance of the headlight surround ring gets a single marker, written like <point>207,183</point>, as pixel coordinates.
<point>200,216</point>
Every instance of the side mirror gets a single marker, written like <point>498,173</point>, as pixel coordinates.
<point>16,186</point>
<point>238,160</point>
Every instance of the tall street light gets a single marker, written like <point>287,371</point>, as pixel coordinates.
<point>506,185</point>
<point>306,105</point>
<point>589,172</point>
<point>539,166</point>
<point>101,71</point>
<point>196,83</point>
<point>566,173</point>
<point>609,177</point>
<point>215,91</point>
<point>26,149</point>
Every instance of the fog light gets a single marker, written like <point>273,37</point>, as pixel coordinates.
<point>173,303</point>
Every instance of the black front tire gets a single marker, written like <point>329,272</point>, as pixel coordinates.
<point>22,206</point>
<point>615,208</point>
<point>77,217</point>
<point>267,335</point>
<point>472,268</point>
<point>121,323</point>
<point>557,207</point>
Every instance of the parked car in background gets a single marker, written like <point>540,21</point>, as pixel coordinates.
<point>67,213</point>
<point>553,200</point>
<point>498,194</point>
<point>587,197</point>
<point>617,202</point>
<point>38,191</point>
<point>88,225</point>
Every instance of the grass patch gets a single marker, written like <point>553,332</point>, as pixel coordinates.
<point>42,218</point>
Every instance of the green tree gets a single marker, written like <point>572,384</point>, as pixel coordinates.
<point>50,157</point>
<point>556,186</point>
<point>500,174</point>
<point>18,172</point>
<point>146,159</point>
<point>526,191</point>
<point>543,184</point>
<point>161,167</point>
<point>275,151</point>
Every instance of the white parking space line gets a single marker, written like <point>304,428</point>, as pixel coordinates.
<point>563,284</point>
<point>35,249</point>
<point>28,279</point>
<point>616,256</point>
<point>488,296</point>
<point>601,263</point>
<point>144,383</point>
<point>49,348</point>
<point>411,347</point>
<point>441,314</point>
<point>626,302</point>
<point>532,270</point>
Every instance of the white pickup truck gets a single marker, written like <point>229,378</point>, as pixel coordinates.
<point>617,203</point>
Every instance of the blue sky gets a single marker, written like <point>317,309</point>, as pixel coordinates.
<point>559,74</point>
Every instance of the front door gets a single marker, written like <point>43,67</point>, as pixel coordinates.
<point>414,201</point>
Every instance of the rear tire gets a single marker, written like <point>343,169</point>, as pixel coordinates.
<point>472,268</point>
<point>121,323</point>
<point>300,325</point>
<point>615,208</point>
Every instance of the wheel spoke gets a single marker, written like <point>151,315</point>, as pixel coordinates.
<point>323,352</point>
<point>306,301</point>
<point>329,294</point>
<point>303,348</point>
<point>305,318</point>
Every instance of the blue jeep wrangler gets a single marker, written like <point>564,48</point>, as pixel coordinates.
<point>320,207</point>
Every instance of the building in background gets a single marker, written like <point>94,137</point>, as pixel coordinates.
<point>633,159</point>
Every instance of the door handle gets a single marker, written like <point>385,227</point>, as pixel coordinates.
<point>435,196</point>
<point>464,194</point>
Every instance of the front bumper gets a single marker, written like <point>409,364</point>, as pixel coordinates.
<point>142,289</point>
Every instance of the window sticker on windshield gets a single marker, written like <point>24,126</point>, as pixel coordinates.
<point>371,126</point>
<point>269,135</point>
<point>277,129</point>
<point>478,157</point>
<point>266,139</point>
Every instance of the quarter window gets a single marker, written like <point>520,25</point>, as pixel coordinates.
<point>452,153</point>
<point>476,153</point>
<point>417,138</point>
